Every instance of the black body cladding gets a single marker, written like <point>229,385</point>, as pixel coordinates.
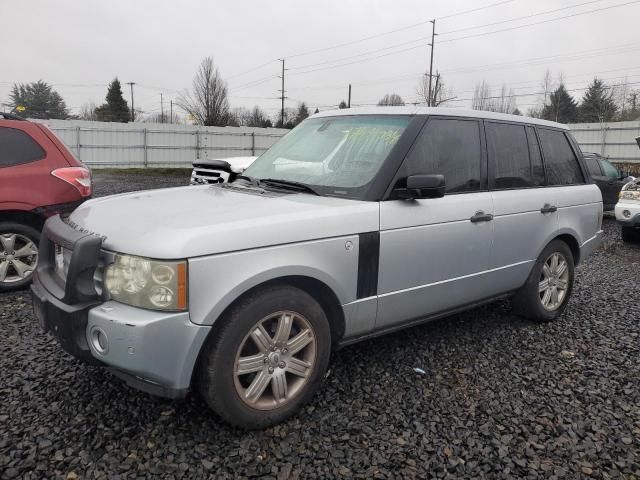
<point>368,259</point>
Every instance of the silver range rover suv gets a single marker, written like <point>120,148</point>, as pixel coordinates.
<point>357,223</point>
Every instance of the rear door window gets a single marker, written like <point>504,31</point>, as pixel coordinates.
<point>560,160</point>
<point>609,170</point>
<point>17,147</point>
<point>450,147</point>
<point>593,166</point>
<point>508,149</point>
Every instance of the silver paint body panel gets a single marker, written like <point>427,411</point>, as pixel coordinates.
<point>432,258</point>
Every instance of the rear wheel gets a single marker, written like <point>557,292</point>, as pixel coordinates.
<point>630,234</point>
<point>548,289</point>
<point>267,358</point>
<point>18,255</point>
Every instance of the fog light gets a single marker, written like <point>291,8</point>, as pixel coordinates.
<point>626,213</point>
<point>99,340</point>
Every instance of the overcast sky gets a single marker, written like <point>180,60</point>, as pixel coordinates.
<point>79,46</point>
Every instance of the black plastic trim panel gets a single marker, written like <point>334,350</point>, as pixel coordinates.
<point>368,261</point>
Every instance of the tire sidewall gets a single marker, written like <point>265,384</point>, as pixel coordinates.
<point>217,374</point>
<point>27,231</point>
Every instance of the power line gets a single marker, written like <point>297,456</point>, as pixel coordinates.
<point>442,41</point>
<point>540,22</point>
<point>474,9</point>
<point>389,32</point>
<point>520,18</point>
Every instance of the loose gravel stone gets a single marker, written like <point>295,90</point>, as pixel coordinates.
<point>501,398</point>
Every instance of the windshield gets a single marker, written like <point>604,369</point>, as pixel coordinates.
<point>336,156</point>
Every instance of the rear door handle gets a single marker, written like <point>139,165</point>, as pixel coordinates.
<point>548,208</point>
<point>481,217</point>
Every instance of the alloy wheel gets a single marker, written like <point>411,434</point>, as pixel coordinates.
<point>18,257</point>
<point>275,360</point>
<point>554,281</point>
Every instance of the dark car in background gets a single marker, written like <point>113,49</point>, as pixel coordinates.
<point>609,179</point>
<point>39,177</point>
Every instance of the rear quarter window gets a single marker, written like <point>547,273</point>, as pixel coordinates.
<point>17,147</point>
<point>560,160</point>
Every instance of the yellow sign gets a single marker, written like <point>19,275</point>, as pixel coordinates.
<point>20,108</point>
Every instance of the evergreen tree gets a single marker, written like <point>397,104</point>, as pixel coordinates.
<point>116,108</point>
<point>317,110</point>
<point>37,100</point>
<point>598,104</point>
<point>342,105</point>
<point>303,112</point>
<point>561,108</point>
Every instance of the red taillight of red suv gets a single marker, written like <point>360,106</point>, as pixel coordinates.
<point>79,177</point>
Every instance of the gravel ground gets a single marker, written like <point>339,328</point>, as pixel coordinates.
<point>500,398</point>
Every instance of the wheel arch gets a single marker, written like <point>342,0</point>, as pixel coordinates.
<point>317,289</point>
<point>21,216</point>
<point>568,236</point>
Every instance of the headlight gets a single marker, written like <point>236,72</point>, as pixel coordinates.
<point>630,195</point>
<point>146,283</point>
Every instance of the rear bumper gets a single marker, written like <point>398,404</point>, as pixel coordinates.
<point>590,245</point>
<point>60,208</point>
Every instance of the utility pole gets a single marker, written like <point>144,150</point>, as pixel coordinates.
<point>171,110</point>
<point>349,98</point>
<point>433,38</point>
<point>133,110</point>
<point>282,97</point>
<point>161,110</point>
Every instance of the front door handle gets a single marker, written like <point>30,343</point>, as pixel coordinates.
<point>548,208</point>
<point>481,217</point>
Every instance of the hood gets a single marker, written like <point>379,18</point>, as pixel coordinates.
<point>192,221</point>
<point>236,164</point>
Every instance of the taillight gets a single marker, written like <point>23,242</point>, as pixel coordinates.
<point>79,177</point>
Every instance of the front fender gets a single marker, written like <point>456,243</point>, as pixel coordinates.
<point>215,282</point>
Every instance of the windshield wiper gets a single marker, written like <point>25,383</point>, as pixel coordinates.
<point>287,184</point>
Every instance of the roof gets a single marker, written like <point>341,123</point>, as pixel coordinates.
<point>452,112</point>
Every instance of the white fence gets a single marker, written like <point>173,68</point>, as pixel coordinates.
<point>614,141</point>
<point>124,145</point>
<point>102,145</point>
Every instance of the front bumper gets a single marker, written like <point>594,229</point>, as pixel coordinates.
<point>152,351</point>
<point>633,219</point>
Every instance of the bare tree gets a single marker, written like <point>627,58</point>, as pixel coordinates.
<point>483,99</point>
<point>88,112</point>
<point>391,99</point>
<point>440,95</point>
<point>481,94</point>
<point>243,117</point>
<point>208,102</point>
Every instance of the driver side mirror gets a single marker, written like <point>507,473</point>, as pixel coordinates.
<point>422,186</point>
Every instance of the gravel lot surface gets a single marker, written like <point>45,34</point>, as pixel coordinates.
<point>500,398</point>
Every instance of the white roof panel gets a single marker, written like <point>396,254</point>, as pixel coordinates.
<point>452,112</point>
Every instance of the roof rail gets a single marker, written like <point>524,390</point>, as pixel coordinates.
<point>11,116</point>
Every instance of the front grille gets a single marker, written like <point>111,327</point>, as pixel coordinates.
<point>61,261</point>
<point>208,175</point>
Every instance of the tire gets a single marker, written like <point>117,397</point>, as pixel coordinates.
<point>529,301</point>
<point>630,235</point>
<point>17,239</point>
<point>254,398</point>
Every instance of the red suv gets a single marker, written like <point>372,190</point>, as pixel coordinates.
<point>39,177</point>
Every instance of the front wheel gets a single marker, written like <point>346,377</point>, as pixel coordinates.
<point>267,357</point>
<point>548,289</point>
